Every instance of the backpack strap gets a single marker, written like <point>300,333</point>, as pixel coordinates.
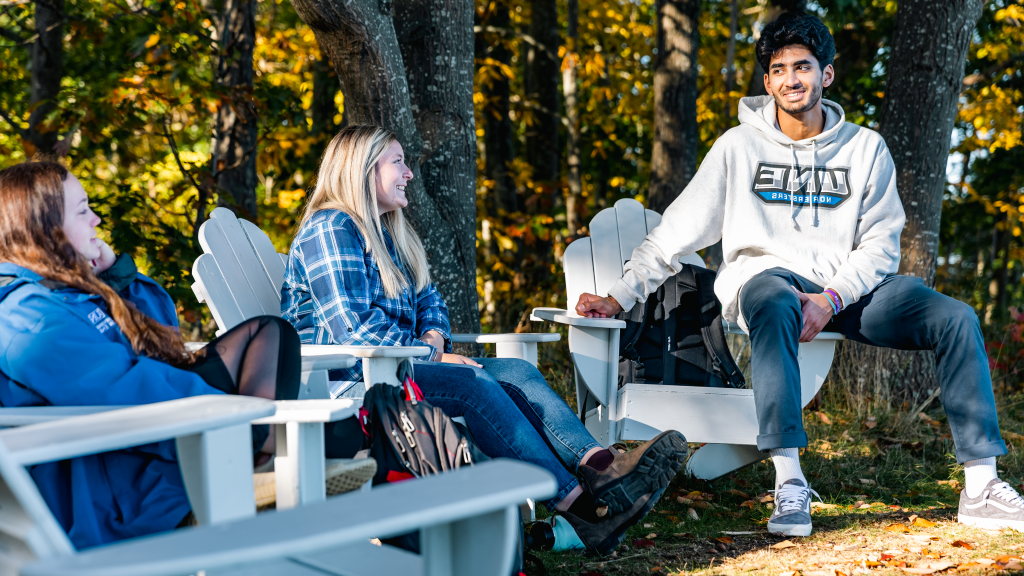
<point>669,303</point>
<point>712,330</point>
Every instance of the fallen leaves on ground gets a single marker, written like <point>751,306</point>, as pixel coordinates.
<point>962,544</point>
<point>824,418</point>
<point>930,568</point>
<point>749,504</point>
<point>725,539</point>
<point>924,523</point>
<point>897,528</point>
<point>766,498</point>
<point>735,492</point>
<point>821,505</point>
<point>643,543</point>
<point>692,514</point>
<point>783,545</point>
<point>870,422</point>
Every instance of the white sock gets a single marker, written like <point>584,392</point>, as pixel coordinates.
<point>979,473</point>
<point>787,465</point>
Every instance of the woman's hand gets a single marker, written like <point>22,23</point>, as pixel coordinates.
<point>106,259</point>
<point>434,338</point>
<point>458,359</point>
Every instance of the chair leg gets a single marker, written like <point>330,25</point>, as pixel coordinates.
<point>716,460</point>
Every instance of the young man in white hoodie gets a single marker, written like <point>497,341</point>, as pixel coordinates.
<point>809,217</point>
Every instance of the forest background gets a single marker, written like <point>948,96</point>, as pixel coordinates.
<point>527,117</point>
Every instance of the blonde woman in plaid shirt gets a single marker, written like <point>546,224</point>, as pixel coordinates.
<point>357,274</point>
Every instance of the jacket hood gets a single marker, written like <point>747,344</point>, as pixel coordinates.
<point>9,269</point>
<point>759,112</point>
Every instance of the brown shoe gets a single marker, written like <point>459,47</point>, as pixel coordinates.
<point>644,470</point>
<point>606,534</point>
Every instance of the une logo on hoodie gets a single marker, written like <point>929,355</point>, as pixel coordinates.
<point>780,184</point>
<point>100,320</point>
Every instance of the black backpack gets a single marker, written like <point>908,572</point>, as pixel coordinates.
<point>409,437</point>
<point>676,337</point>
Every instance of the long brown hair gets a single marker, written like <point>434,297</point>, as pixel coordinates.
<point>32,236</point>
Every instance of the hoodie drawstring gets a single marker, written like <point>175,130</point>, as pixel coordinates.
<point>812,187</point>
<point>795,178</point>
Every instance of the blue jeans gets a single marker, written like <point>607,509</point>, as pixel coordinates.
<point>900,313</point>
<point>513,413</point>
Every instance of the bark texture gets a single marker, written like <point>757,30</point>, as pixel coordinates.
<point>542,76</point>
<point>572,116</point>
<point>499,142</point>
<point>926,72</point>
<point>47,71</point>
<point>325,86</point>
<point>359,38</point>
<point>436,40</point>
<point>674,155</point>
<point>237,129</point>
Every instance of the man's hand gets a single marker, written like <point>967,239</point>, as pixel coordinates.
<point>817,311</point>
<point>106,259</point>
<point>593,306</point>
<point>458,359</point>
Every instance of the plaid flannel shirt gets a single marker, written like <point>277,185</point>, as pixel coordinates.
<point>333,294</point>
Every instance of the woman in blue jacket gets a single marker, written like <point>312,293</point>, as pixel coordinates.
<point>67,338</point>
<point>357,274</point>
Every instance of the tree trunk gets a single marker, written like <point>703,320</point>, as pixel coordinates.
<point>674,155</point>
<point>436,40</point>
<point>572,115</point>
<point>47,72</point>
<point>774,10</point>
<point>325,86</point>
<point>730,59</point>
<point>926,71</point>
<point>237,129</point>
<point>542,74</point>
<point>358,36</point>
<point>499,134</point>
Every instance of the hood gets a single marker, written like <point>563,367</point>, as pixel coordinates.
<point>759,112</point>
<point>9,269</point>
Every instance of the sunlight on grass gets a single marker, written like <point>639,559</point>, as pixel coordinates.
<point>890,485</point>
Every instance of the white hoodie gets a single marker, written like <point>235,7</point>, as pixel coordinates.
<point>842,231</point>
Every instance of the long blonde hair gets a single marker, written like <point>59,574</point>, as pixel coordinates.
<point>346,181</point>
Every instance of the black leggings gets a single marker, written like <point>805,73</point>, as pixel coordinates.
<point>262,357</point>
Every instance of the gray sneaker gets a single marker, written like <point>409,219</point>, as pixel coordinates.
<point>792,514</point>
<point>997,507</point>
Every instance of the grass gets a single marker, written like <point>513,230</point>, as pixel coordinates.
<point>890,485</point>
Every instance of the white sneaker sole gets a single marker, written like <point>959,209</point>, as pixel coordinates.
<point>790,529</point>
<point>991,523</point>
<point>341,475</point>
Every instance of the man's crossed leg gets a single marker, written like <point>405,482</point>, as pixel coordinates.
<point>900,313</point>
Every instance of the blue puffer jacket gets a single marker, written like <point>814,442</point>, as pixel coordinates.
<point>58,347</point>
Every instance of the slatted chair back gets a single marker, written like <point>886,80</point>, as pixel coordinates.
<point>28,530</point>
<point>594,264</point>
<point>239,250</point>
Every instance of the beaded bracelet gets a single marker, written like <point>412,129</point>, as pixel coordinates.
<point>832,303</point>
<point>833,297</point>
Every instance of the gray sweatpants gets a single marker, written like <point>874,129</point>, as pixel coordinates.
<point>900,313</point>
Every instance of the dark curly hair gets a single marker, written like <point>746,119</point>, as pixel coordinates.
<point>796,28</point>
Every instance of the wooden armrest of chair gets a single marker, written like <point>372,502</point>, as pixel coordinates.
<point>532,337</point>
<point>328,361</point>
<point>309,411</point>
<point>734,328</point>
<point>562,317</point>
<point>309,350</point>
<point>109,430</point>
<point>451,498</point>
<point>28,415</point>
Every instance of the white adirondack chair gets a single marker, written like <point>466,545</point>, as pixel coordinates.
<point>722,418</point>
<point>299,463</point>
<point>466,518</point>
<point>240,276</point>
